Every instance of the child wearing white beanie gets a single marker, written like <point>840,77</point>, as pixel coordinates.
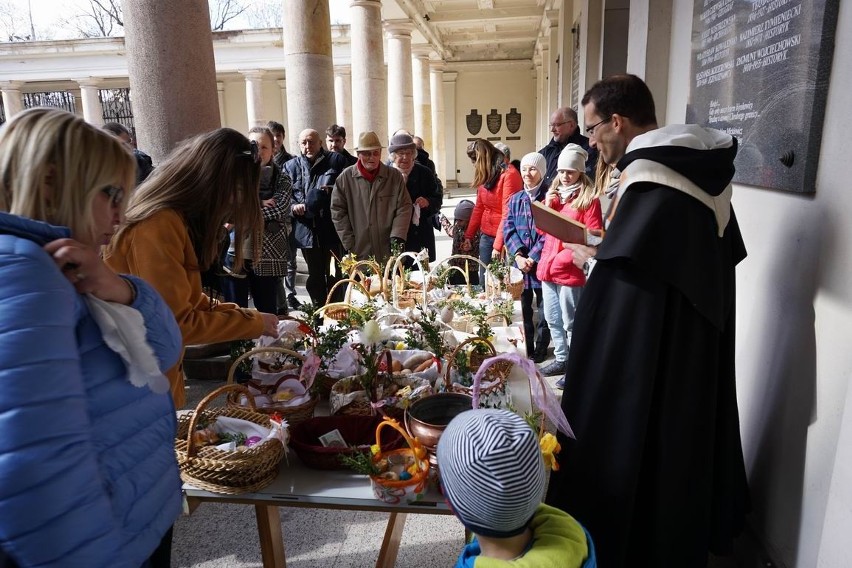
<point>524,244</point>
<point>573,194</point>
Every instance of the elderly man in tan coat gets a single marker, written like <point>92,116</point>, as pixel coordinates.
<point>370,206</point>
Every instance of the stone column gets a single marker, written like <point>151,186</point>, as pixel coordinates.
<point>13,100</point>
<point>308,66</point>
<point>423,98</point>
<point>254,97</point>
<point>220,93</point>
<point>648,19</point>
<point>282,118</point>
<point>450,111</point>
<point>542,115</point>
<point>343,97</point>
<point>93,110</point>
<point>439,128</point>
<point>369,88</point>
<point>400,86</point>
<point>169,50</point>
<point>552,65</point>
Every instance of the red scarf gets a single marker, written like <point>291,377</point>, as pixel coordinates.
<point>368,175</point>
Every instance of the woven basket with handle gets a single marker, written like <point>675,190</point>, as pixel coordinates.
<point>293,414</point>
<point>497,374</point>
<point>219,471</point>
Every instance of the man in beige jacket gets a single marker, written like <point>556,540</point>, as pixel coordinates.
<point>370,206</point>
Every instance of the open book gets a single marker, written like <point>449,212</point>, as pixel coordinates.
<point>564,227</point>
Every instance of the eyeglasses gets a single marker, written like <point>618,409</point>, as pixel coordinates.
<point>253,152</point>
<point>590,130</point>
<point>558,124</point>
<point>115,194</point>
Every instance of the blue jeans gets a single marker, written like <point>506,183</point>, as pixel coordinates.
<point>560,304</point>
<point>486,245</point>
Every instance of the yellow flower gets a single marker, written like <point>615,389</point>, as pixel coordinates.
<point>549,448</point>
<point>375,449</point>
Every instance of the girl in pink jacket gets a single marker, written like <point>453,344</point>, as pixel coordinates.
<point>572,194</point>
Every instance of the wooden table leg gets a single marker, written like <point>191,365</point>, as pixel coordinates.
<point>271,539</point>
<point>390,544</point>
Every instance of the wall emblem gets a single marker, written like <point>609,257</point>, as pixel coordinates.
<point>494,120</point>
<point>474,121</point>
<point>513,120</point>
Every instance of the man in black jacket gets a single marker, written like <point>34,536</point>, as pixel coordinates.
<point>656,472</point>
<point>280,154</point>
<point>335,141</point>
<point>565,130</point>
<point>313,175</point>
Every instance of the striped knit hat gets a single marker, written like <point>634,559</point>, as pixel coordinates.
<point>491,471</point>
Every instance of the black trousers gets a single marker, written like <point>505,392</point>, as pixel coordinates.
<point>320,277</point>
<point>537,336</point>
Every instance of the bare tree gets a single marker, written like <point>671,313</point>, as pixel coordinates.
<point>223,11</point>
<point>265,15</point>
<point>17,25</point>
<point>102,18</point>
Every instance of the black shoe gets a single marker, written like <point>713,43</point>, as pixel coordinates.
<point>539,355</point>
<point>560,384</point>
<point>293,302</point>
<point>555,368</point>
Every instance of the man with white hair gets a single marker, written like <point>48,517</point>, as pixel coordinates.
<point>565,130</point>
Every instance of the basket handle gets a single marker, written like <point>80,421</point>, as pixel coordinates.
<point>372,265</point>
<point>466,257</point>
<point>193,421</point>
<point>413,443</point>
<point>398,266</point>
<point>257,351</point>
<point>447,381</point>
<point>351,282</point>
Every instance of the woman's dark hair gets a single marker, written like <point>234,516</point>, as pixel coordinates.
<point>626,95</point>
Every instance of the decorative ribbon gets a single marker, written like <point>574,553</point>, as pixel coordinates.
<point>542,396</point>
<point>309,368</point>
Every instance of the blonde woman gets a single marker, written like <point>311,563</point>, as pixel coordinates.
<point>174,227</point>
<point>88,471</point>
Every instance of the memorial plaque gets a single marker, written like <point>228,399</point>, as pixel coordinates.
<point>473,121</point>
<point>760,71</point>
<point>494,120</point>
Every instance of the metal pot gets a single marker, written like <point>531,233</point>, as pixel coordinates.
<point>427,418</point>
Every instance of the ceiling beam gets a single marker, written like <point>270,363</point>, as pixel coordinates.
<point>465,16</point>
<point>489,39</point>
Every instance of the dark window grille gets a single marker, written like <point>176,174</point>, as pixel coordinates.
<point>2,111</point>
<point>118,108</point>
<point>59,99</point>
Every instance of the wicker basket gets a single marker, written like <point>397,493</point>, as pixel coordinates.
<point>229,472</point>
<point>355,273</point>
<point>293,414</point>
<point>400,491</point>
<point>497,374</point>
<point>357,431</point>
<point>362,405</point>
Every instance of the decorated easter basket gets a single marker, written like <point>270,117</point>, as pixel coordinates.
<point>407,486</point>
<point>292,413</point>
<point>493,393</point>
<point>357,432</point>
<point>349,398</point>
<point>513,283</point>
<point>221,471</point>
<point>369,273</point>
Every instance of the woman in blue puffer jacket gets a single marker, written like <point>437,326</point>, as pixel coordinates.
<point>88,475</point>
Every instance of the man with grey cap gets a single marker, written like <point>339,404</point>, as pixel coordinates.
<point>493,477</point>
<point>424,190</point>
<point>370,205</point>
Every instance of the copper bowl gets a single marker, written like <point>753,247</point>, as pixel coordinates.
<point>427,418</point>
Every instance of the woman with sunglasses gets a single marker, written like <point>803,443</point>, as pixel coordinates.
<point>174,227</point>
<point>87,463</point>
